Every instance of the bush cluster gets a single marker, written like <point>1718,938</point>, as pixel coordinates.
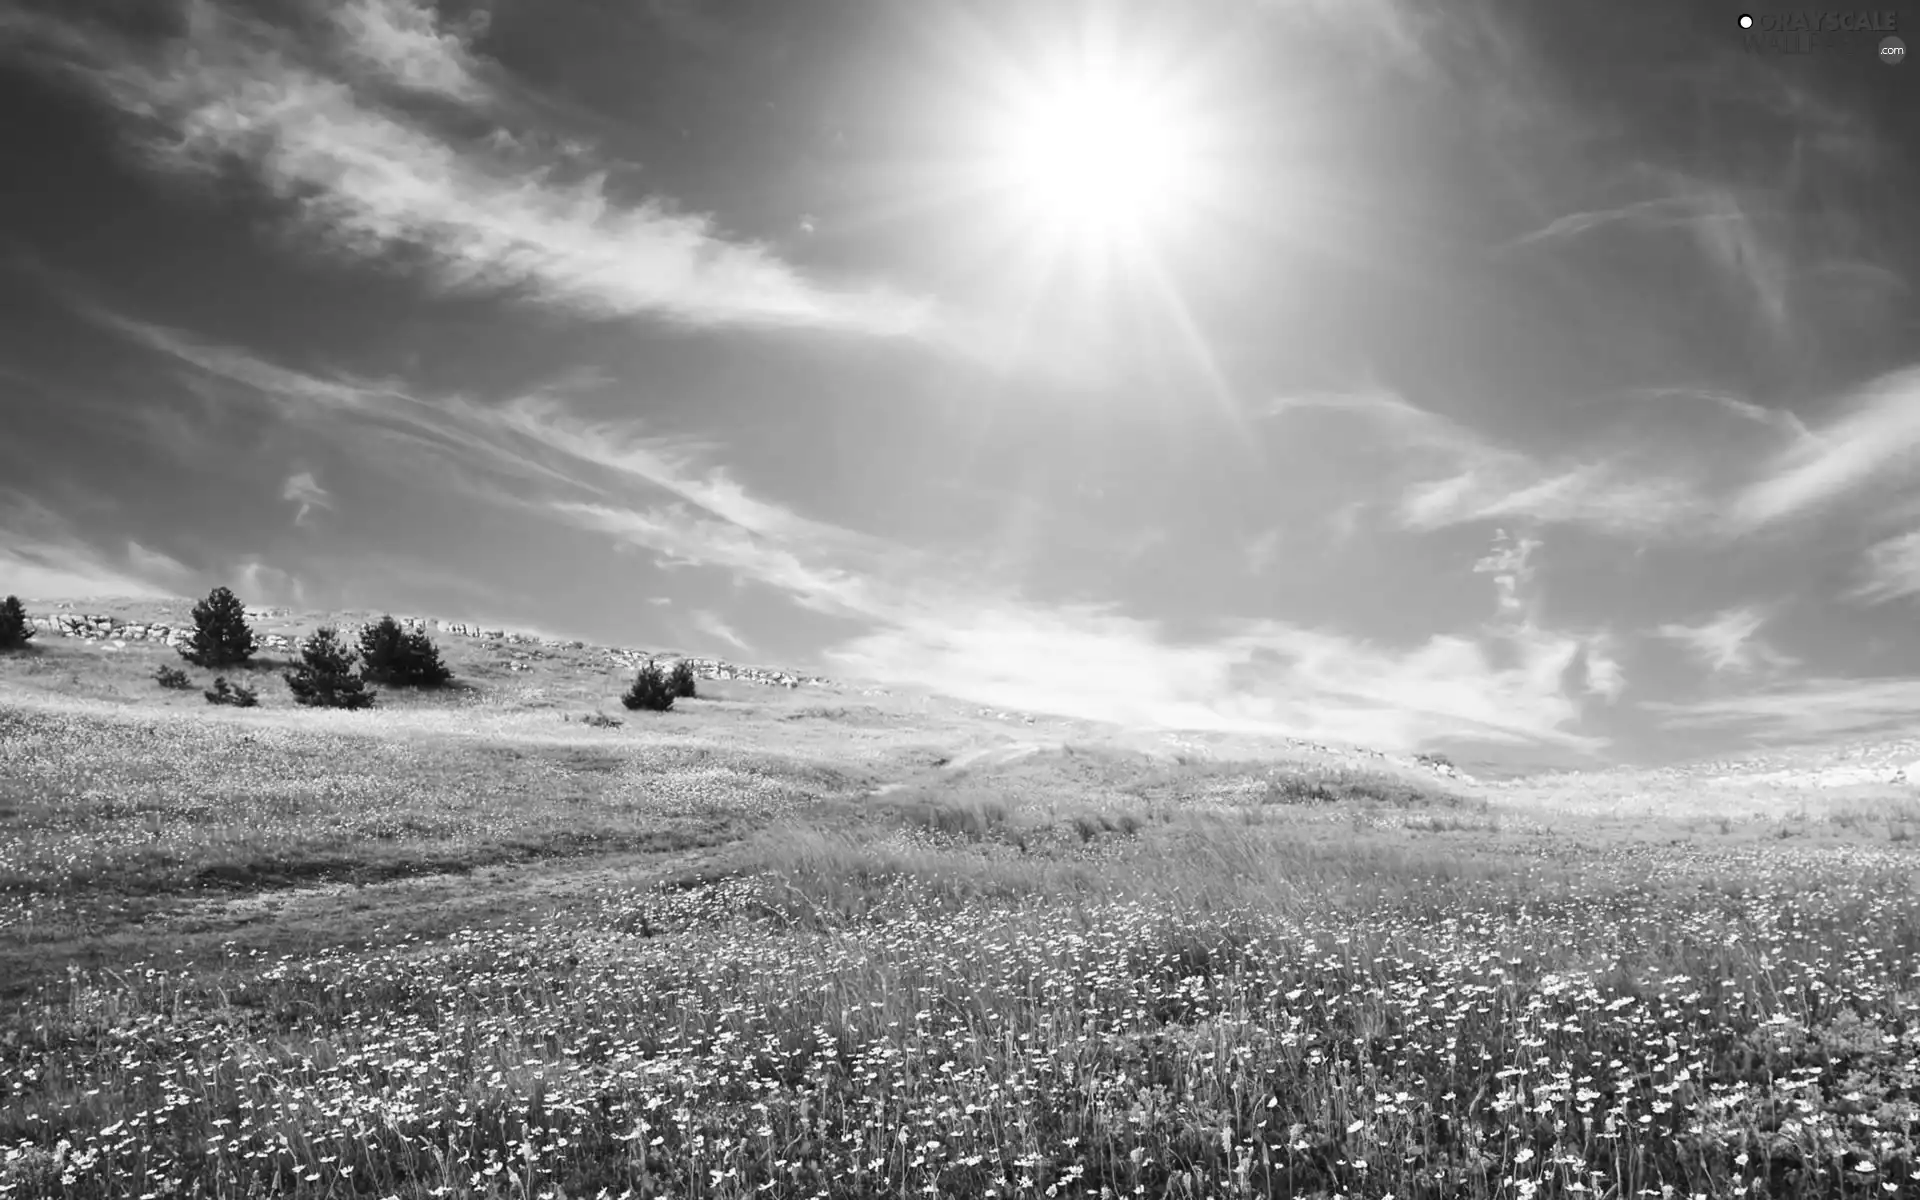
<point>14,630</point>
<point>237,695</point>
<point>391,655</point>
<point>325,677</point>
<point>650,690</point>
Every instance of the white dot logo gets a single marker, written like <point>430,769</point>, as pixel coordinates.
<point>1746,22</point>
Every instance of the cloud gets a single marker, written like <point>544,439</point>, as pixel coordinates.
<point>1876,440</point>
<point>1507,563</point>
<point>404,42</point>
<point>363,179</point>
<point>1892,570</point>
<point>1661,211</point>
<point>666,463</point>
<point>1601,495</point>
<point>1270,678</point>
<point>160,568</point>
<point>42,557</point>
<point>1605,676</point>
<point>981,643</point>
<point>686,538</point>
<point>383,419</point>
<point>1724,230</point>
<point>1727,641</point>
<point>1802,711</point>
<point>258,583</point>
<point>710,623</point>
<point>535,440</point>
<point>1413,426</point>
<point>1775,418</point>
<point>41,570</point>
<point>302,489</point>
<point>1455,476</point>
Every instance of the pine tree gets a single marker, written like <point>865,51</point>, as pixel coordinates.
<point>681,680</point>
<point>650,690</point>
<point>389,654</point>
<point>221,637</point>
<point>14,630</point>
<point>325,678</point>
<point>380,650</point>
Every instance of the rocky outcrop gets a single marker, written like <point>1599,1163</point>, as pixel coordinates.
<point>522,649</point>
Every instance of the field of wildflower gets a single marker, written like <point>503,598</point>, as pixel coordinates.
<point>1078,974</point>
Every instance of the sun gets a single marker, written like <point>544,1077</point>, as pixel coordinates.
<point>1098,154</point>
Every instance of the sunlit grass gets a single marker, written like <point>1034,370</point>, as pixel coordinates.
<point>1081,975</point>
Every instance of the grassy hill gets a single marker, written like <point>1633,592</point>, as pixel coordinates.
<point>833,941</point>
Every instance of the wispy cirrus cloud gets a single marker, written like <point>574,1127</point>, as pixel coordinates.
<point>1725,227</point>
<point>1453,475</point>
<point>363,178</point>
<point>1728,641</point>
<point>1874,442</point>
<point>43,557</point>
<point>1659,211</point>
<point>713,625</point>
<point>1602,495</point>
<point>380,418</point>
<point>1891,570</point>
<point>1776,418</point>
<point>671,464</point>
<point>39,570</point>
<point>1805,710</point>
<point>534,440</point>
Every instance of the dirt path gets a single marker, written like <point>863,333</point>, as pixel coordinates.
<point>204,928</point>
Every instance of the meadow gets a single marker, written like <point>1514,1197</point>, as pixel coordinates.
<point>800,944</point>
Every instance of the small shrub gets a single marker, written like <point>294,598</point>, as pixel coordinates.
<point>14,630</point>
<point>236,695</point>
<point>650,690</point>
<point>681,680</point>
<point>172,678</point>
<point>325,678</point>
<point>602,721</point>
<point>391,655</point>
<point>221,636</point>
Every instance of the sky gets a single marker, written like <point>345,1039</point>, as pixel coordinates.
<point>1531,383</point>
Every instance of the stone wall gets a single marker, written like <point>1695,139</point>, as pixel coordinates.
<point>522,649</point>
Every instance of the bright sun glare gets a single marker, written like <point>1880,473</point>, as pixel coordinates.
<point>1096,155</point>
<point>1098,158</point>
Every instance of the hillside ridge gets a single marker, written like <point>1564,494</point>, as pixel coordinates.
<point>110,627</point>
